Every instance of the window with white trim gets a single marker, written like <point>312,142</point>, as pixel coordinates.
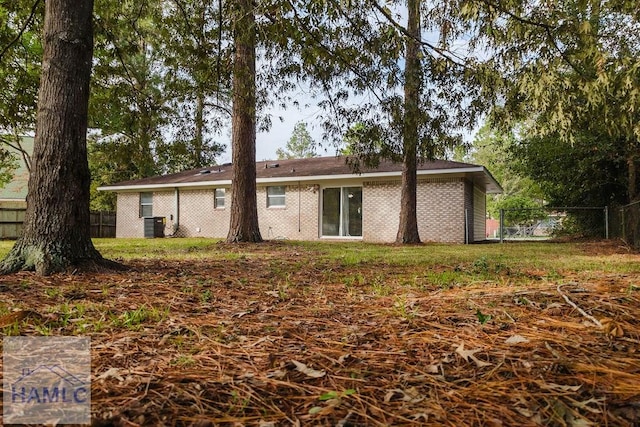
<point>146,205</point>
<point>276,196</point>
<point>218,202</point>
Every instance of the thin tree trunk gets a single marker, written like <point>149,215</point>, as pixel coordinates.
<point>408,227</point>
<point>56,232</point>
<point>198,140</point>
<point>244,211</point>
<point>632,178</point>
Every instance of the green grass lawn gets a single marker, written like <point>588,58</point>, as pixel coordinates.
<point>514,255</point>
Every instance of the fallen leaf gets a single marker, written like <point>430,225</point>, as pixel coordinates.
<point>344,358</point>
<point>411,395</point>
<point>312,373</point>
<point>277,374</point>
<point>516,339</point>
<point>560,387</point>
<point>433,369</point>
<point>612,328</point>
<point>469,354</point>
<point>111,373</point>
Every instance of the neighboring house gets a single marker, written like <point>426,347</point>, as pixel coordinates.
<point>14,194</point>
<point>311,199</point>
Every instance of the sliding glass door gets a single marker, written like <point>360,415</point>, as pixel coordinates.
<point>342,211</point>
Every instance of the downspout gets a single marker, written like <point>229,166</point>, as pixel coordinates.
<point>299,210</point>
<point>176,223</point>
<point>466,226</point>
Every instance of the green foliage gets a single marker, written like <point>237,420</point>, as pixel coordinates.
<point>301,145</point>
<point>158,93</point>
<point>482,318</point>
<point>494,149</point>
<point>8,162</point>
<point>569,68</point>
<point>19,64</point>
<point>591,172</point>
<point>133,319</point>
<point>519,210</point>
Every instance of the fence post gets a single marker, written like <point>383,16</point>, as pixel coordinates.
<point>100,225</point>
<point>501,224</point>
<point>606,222</point>
<point>466,226</point>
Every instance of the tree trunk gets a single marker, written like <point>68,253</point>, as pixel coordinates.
<point>632,178</point>
<point>408,227</point>
<point>56,232</point>
<point>198,139</point>
<point>244,211</point>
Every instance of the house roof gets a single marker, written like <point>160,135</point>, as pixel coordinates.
<point>310,169</point>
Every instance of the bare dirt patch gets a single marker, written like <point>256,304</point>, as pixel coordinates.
<point>283,337</point>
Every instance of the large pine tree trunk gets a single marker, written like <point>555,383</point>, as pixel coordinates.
<point>408,228</point>
<point>244,210</point>
<point>56,232</point>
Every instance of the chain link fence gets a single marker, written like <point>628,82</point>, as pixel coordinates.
<point>546,222</point>
<point>625,224</point>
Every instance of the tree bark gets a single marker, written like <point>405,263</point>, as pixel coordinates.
<point>632,178</point>
<point>244,210</point>
<point>408,227</point>
<point>198,139</point>
<point>56,232</point>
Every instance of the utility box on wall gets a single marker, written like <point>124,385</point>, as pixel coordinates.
<point>154,226</point>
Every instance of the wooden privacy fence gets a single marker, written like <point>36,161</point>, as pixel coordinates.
<point>103,223</point>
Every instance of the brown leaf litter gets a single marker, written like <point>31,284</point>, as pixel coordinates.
<point>293,340</point>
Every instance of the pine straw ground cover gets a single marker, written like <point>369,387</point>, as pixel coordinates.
<point>200,333</point>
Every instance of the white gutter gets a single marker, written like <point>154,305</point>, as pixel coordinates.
<point>227,182</point>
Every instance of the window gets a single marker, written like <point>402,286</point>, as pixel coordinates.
<point>146,205</point>
<point>275,196</point>
<point>342,212</point>
<point>218,203</point>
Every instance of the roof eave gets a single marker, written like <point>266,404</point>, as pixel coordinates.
<point>492,185</point>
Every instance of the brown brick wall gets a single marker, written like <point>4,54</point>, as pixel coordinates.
<point>128,222</point>
<point>380,210</point>
<point>297,220</point>
<point>199,218</point>
<point>441,204</point>
<point>441,210</point>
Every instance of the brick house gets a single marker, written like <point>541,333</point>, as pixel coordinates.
<point>311,199</point>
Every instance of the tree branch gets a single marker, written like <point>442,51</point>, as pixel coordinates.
<point>449,56</point>
<point>345,61</point>
<point>22,30</point>
<point>548,29</point>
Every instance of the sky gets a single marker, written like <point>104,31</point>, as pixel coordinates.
<point>281,130</point>
<point>268,142</point>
